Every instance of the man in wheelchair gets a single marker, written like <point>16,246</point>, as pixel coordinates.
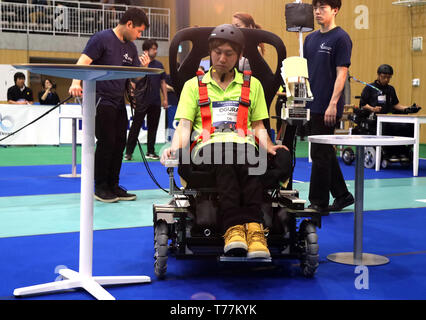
<point>221,134</point>
<point>380,98</point>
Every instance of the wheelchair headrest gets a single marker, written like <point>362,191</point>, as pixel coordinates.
<point>253,37</point>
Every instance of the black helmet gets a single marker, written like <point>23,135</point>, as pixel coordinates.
<point>228,32</point>
<point>385,69</point>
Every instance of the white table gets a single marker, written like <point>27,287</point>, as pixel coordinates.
<point>357,257</point>
<point>84,278</point>
<point>401,118</point>
<point>74,119</point>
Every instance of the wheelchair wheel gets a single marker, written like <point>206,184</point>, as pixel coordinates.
<point>161,239</point>
<point>369,157</point>
<point>348,156</point>
<point>309,260</point>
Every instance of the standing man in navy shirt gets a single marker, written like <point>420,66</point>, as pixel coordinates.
<point>328,52</point>
<point>150,105</point>
<point>113,47</point>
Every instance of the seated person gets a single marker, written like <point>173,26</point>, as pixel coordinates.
<point>19,93</point>
<point>384,100</point>
<point>48,95</point>
<point>225,137</point>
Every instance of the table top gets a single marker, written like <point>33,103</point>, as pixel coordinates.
<point>88,72</point>
<point>401,116</point>
<point>361,140</point>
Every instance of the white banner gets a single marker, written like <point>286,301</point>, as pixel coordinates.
<point>56,127</point>
<point>43,132</point>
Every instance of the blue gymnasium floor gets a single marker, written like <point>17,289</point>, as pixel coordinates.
<point>39,223</point>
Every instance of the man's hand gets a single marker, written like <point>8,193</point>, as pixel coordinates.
<point>272,149</point>
<point>75,90</point>
<point>167,154</point>
<point>165,104</point>
<point>377,109</point>
<point>330,115</point>
<point>144,59</point>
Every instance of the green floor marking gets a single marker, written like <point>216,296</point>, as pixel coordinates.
<point>33,215</point>
<point>382,194</point>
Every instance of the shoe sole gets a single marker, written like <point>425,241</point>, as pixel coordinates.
<point>236,249</point>
<point>258,255</point>
<point>127,198</point>
<point>106,200</point>
<point>341,208</point>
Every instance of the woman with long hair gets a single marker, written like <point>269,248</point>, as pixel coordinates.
<point>245,20</point>
<point>48,95</point>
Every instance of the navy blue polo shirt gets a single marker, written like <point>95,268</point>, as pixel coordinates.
<point>155,80</point>
<point>104,48</point>
<point>325,52</point>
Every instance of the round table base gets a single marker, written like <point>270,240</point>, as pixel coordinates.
<point>70,175</point>
<point>367,259</point>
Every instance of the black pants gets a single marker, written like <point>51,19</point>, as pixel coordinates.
<point>240,194</point>
<point>152,111</point>
<point>111,130</point>
<point>326,175</point>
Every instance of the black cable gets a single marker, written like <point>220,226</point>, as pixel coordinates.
<point>44,114</point>
<point>145,162</point>
<point>148,169</point>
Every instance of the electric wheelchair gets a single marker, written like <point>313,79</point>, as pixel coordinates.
<point>365,123</point>
<point>190,224</point>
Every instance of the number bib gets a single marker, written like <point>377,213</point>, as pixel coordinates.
<point>224,112</point>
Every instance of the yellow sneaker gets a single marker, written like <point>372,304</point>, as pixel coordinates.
<point>235,241</point>
<point>257,246</point>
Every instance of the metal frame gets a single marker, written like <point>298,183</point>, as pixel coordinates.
<point>410,3</point>
<point>76,18</point>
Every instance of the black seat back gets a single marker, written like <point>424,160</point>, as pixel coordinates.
<point>271,81</point>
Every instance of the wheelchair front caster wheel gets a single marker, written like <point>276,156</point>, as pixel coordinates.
<point>161,239</point>
<point>384,164</point>
<point>348,156</point>
<point>370,157</point>
<point>309,260</point>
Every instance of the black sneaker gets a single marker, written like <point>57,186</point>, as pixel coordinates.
<point>152,156</point>
<point>342,202</point>
<point>122,194</point>
<point>127,157</point>
<point>105,195</point>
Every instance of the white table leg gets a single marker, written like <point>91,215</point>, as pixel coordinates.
<point>83,278</point>
<point>87,178</point>
<point>74,153</point>
<point>309,152</point>
<point>378,148</point>
<point>74,147</point>
<point>416,148</point>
